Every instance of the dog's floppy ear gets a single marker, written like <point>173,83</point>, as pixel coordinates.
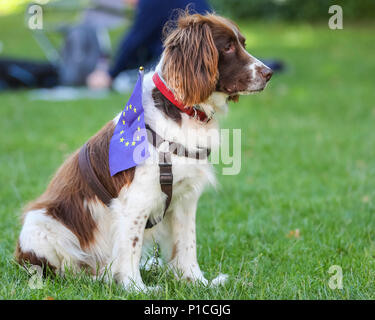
<point>190,61</point>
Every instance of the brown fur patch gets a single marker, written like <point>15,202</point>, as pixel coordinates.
<point>30,257</point>
<point>135,240</point>
<point>65,195</point>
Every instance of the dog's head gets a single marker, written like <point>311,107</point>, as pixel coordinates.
<point>206,53</point>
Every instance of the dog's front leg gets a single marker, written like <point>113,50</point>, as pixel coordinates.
<point>127,238</point>
<point>183,257</point>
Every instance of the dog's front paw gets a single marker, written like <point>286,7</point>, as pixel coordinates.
<point>219,280</point>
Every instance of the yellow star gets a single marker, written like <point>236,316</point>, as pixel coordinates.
<point>133,143</point>
<point>122,131</point>
<point>122,139</point>
<point>123,121</point>
<point>139,118</point>
<point>127,108</point>
<point>135,110</point>
<point>127,143</point>
<point>139,129</point>
<point>123,113</point>
<point>130,106</point>
<point>138,138</point>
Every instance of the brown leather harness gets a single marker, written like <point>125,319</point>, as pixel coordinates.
<point>165,168</point>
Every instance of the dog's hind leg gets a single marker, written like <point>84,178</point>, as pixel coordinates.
<point>45,241</point>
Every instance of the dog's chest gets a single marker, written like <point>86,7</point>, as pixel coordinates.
<point>189,180</point>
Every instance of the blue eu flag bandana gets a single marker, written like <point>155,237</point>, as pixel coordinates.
<point>128,146</point>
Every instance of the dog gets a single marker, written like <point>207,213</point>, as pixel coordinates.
<point>204,65</point>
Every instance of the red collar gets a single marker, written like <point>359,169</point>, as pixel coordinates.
<point>191,111</point>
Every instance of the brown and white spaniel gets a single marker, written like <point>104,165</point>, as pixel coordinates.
<point>204,64</point>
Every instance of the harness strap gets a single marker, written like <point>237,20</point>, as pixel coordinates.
<point>166,183</point>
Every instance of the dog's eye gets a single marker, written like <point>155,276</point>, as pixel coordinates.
<point>229,48</point>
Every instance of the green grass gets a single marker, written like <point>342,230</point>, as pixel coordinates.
<point>308,163</point>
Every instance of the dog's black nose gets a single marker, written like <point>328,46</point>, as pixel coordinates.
<point>266,73</point>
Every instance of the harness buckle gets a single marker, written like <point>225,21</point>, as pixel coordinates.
<point>166,176</point>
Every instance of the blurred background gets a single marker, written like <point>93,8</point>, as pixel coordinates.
<point>304,199</point>
<point>101,43</point>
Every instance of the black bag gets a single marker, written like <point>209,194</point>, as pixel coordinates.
<point>17,73</point>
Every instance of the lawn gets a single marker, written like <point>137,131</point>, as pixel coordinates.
<point>308,163</point>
